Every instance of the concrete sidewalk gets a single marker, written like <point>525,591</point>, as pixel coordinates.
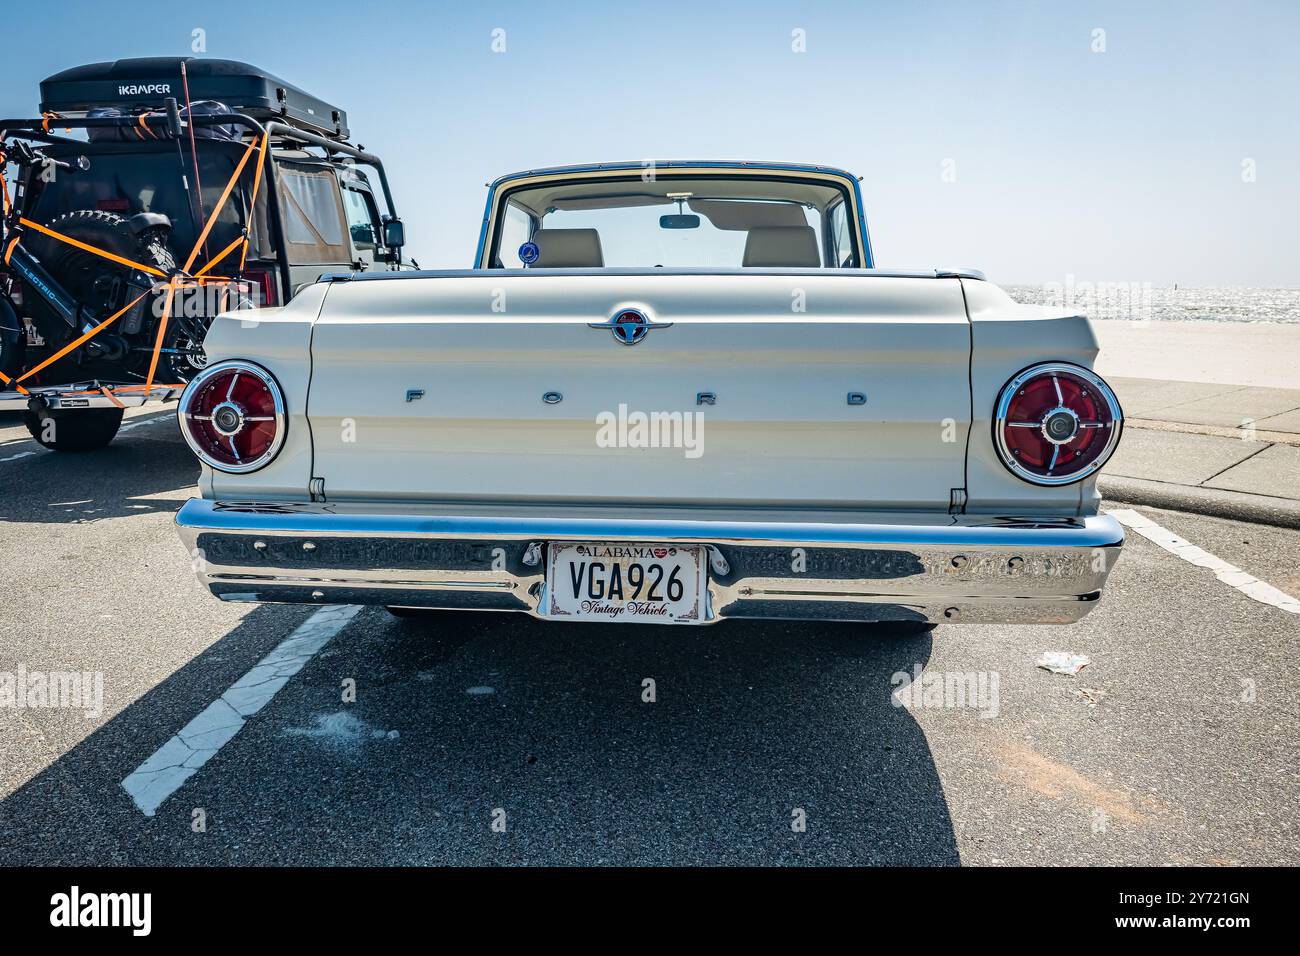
<point>1226,450</point>
<point>1263,354</point>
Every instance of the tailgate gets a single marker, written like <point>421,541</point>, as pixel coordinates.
<point>479,354</point>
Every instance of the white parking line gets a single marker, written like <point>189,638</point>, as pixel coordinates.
<point>142,421</point>
<point>198,741</point>
<point>1229,574</point>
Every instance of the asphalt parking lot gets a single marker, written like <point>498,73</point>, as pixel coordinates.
<point>497,739</point>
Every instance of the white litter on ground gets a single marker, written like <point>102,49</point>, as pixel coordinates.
<point>1229,574</point>
<point>341,729</point>
<point>1063,662</point>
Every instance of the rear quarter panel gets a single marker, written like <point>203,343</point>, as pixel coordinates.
<point>279,340</point>
<point>1005,338</point>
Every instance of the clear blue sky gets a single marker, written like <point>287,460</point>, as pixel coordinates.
<point>1118,166</point>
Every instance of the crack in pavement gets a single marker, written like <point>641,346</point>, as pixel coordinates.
<point>193,745</point>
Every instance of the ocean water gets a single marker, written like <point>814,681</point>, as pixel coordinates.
<point>1136,301</point>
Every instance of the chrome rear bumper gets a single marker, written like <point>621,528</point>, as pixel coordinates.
<point>920,567</point>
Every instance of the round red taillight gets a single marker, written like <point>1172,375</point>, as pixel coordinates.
<point>232,416</point>
<point>1056,423</point>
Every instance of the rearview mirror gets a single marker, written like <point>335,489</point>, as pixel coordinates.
<point>679,221</point>
<point>394,233</point>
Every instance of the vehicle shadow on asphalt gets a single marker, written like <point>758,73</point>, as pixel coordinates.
<point>122,479</point>
<point>766,743</point>
<point>756,726</point>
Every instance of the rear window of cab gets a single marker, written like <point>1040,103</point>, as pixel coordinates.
<point>688,221</point>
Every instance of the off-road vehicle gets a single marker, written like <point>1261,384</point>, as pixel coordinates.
<point>150,195</point>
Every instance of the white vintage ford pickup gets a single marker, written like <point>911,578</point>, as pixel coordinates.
<point>668,392</point>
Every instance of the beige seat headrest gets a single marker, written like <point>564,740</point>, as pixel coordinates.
<point>782,246</point>
<point>568,249</point>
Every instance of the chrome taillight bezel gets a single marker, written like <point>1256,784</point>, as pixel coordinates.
<point>277,396</point>
<point>1000,422</point>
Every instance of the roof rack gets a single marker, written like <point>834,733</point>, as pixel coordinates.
<point>145,83</point>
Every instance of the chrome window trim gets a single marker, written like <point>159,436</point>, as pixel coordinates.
<point>851,182</point>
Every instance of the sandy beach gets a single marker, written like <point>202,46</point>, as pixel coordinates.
<point>1263,354</point>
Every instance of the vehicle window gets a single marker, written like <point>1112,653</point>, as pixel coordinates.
<point>361,223</point>
<point>632,237</point>
<point>126,180</point>
<point>313,214</point>
<point>841,244</point>
<point>516,228</point>
<point>676,222</point>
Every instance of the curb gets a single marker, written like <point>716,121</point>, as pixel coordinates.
<point>1216,431</point>
<point>1234,505</point>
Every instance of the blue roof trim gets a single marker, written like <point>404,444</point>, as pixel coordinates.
<point>673,163</point>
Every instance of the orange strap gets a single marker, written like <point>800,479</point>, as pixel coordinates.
<point>171,282</point>
<point>141,123</point>
<point>9,381</point>
<point>124,389</point>
<point>111,391</point>
<point>221,255</point>
<point>9,251</point>
<point>88,248</point>
<point>81,340</point>
<point>45,121</point>
<point>252,207</point>
<point>162,330</point>
<point>111,397</point>
<point>216,210</point>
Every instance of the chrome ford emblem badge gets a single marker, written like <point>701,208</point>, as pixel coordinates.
<point>629,326</point>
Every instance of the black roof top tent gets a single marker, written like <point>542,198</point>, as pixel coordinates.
<point>146,82</point>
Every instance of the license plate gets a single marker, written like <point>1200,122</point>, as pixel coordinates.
<point>625,583</point>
